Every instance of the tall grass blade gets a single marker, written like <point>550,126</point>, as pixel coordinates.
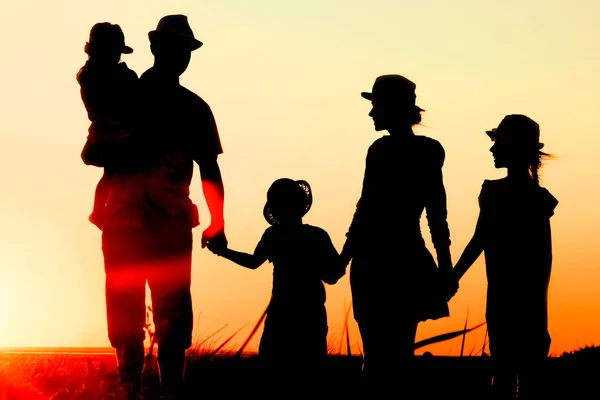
<point>359,350</point>
<point>345,334</point>
<point>249,338</point>
<point>484,341</point>
<point>462,346</point>
<point>225,342</point>
<point>344,329</point>
<point>211,335</point>
<point>349,352</point>
<point>197,335</point>
<point>445,336</point>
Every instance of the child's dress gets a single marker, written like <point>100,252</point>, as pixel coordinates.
<point>295,329</point>
<point>515,223</point>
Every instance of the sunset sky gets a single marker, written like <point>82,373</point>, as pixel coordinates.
<point>283,79</point>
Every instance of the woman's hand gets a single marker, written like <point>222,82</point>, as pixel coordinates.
<point>449,283</point>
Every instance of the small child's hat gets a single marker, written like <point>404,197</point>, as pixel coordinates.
<point>106,36</point>
<point>285,192</point>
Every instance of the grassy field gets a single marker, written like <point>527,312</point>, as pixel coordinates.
<point>93,376</point>
<point>214,368</point>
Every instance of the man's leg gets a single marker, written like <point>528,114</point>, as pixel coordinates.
<point>125,290</point>
<point>170,283</point>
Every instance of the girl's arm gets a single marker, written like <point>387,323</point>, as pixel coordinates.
<point>333,265</point>
<point>246,260</point>
<point>476,245</point>
<point>471,252</point>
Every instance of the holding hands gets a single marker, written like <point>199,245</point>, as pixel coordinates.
<point>450,281</point>
<point>217,245</point>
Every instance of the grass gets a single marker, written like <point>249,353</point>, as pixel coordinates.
<point>216,367</point>
<point>83,377</point>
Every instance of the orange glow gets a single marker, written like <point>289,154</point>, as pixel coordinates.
<point>284,80</point>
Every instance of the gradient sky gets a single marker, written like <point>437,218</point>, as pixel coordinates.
<point>283,79</point>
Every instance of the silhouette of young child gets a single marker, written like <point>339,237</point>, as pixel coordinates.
<point>513,231</point>
<point>107,86</point>
<point>303,257</point>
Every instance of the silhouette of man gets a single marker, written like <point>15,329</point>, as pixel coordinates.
<point>152,215</point>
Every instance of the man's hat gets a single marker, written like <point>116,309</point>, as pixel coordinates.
<point>175,28</point>
<point>107,36</point>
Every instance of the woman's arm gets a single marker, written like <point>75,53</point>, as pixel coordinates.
<point>356,230</point>
<point>437,213</point>
<point>348,248</point>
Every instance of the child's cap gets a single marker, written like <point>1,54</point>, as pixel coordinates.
<point>521,127</point>
<point>105,36</point>
<point>286,191</point>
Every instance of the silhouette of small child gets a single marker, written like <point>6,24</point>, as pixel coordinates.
<point>513,231</point>
<point>303,257</point>
<point>106,86</point>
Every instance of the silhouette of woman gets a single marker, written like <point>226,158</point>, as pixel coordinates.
<point>513,231</point>
<point>394,279</point>
<point>294,340</point>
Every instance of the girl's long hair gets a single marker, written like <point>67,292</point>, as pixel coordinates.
<point>536,163</point>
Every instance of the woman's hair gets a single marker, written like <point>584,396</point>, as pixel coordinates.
<point>415,115</point>
<point>536,162</point>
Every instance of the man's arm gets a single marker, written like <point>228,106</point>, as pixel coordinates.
<point>214,194</point>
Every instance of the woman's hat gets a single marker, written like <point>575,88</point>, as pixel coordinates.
<point>175,28</point>
<point>286,192</point>
<point>521,127</point>
<point>107,36</point>
<point>392,87</point>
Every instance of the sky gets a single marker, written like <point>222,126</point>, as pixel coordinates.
<point>283,80</point>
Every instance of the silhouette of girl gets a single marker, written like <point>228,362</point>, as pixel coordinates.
<point>513,231</point>
<point>394,279</point>
<point>303,257</point>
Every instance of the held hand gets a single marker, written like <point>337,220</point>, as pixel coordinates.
<point>451,289</point>
<point>345,259</point>
<point>336,273</point>
<point>214,235</point>
<point>216,247</point>
<point>450,283</point>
